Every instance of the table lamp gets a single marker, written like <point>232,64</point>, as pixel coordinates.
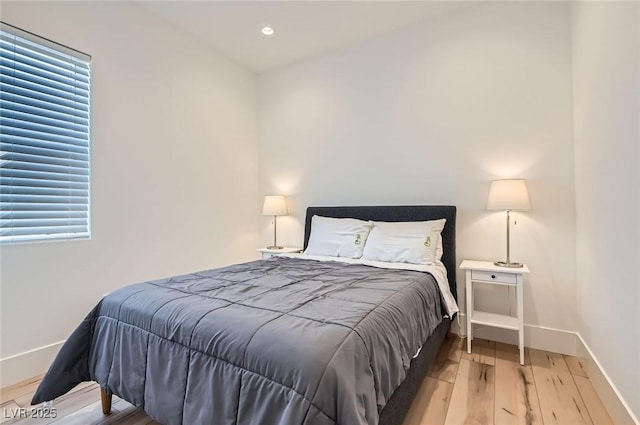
<point>274,205</point>
<point>508,195</point>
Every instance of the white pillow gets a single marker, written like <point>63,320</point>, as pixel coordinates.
<point>414,242</point>
<point>439,249</point>
<point>338,237</point>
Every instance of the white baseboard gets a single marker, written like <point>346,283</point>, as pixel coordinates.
<point>616,405</point>
<point>539,337</point>
<point>22,366</point>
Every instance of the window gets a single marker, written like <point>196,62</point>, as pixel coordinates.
<point>45,93</point>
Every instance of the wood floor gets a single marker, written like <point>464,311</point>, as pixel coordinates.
<point>485,387</point>
<point>489,386</point>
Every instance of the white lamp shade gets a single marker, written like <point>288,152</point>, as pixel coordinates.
<point>274,205</point>
<point>511,195</point>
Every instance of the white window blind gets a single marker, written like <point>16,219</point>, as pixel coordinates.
<point>45,92</point>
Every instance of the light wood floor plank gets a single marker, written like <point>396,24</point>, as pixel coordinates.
<point>145,420</point>
<point>482,351</point>
<point>472,400</point>
<point>508,351</point>
<point>596,409</point>
<point>548,360</point>
<point>21,388</point>
<point>431,403</point>
<point>67,404</point>
<point>445,365</point>
<point>560,401</point>
<point>516,399</point>
<point>87,415</point>
<point>7,411</point>
<point>134,417</point>
<point>125,416</point>
<point>575,366</point>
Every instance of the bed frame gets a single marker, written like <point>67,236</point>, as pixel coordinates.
<point>400,402</point>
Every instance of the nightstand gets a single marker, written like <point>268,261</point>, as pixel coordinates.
<point>266,252</point>
<point>487,272</point>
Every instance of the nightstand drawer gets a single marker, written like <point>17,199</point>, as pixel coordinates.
<point>484,276</point>
<point>268,253</point>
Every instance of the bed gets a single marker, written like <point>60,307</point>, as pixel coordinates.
<point>277,341</point>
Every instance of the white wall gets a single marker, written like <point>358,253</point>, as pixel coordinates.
<point>606,77</point>
<point>429,115</point>
<point>174,172</point>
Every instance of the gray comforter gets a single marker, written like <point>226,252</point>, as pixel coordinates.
<point>278,341</point>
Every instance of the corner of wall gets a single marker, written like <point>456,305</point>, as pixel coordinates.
<point>616,405</point>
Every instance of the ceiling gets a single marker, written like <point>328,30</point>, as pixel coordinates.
<point>302,28</point>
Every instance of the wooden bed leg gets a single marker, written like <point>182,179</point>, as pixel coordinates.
<point>106,401</point>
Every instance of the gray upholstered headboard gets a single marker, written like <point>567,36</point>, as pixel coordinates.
<point>400,213</point>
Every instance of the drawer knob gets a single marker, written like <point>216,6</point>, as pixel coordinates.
<point>493,276</point>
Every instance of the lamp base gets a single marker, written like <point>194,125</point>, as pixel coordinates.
<point>275,247</point>
<point>509,265</point>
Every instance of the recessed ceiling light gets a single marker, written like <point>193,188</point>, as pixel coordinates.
<point>267,30</point>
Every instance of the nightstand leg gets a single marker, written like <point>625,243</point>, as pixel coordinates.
<point>520,295</point>
<point>469,311</point>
